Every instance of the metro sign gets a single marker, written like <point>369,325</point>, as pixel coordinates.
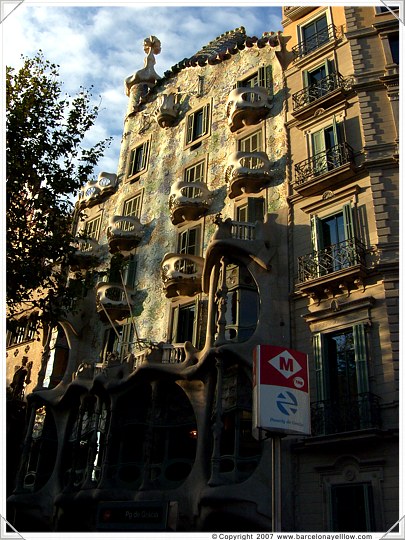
<point>280,391</point>
<point>286,364</point>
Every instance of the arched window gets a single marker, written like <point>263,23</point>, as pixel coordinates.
<point>40,450</point>
<point>158,436</point>
<point>236,453</point>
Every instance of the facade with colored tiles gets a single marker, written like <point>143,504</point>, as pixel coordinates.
<point>255,202</point>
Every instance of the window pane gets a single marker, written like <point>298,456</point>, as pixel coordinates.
<point>393,41</point>
<point>185,324</point>
<point>352,508</point>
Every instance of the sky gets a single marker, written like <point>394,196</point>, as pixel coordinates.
<point>100,43</point>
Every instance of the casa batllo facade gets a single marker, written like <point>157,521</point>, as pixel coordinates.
<point>255,202</point>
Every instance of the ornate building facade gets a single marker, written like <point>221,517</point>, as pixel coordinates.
<point>255,202</point>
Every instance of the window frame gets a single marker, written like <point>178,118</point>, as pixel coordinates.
<point>132,175</point>
<point>308,22</point>
<point>137,196</point>
<point>89,225</point>
<point>175,317</point>
<point>198,244</point>
<point>22,333</point>
<point>251,206</point>
<point>192,139</point>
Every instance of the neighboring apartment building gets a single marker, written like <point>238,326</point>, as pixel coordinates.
<point>255,202</point>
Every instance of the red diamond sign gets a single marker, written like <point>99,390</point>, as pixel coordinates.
<point>286,364</point>
<point>280,391</point>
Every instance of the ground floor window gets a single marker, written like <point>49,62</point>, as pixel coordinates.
<point>352,508</point>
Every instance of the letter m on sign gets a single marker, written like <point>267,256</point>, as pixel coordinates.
<point>286,364</point>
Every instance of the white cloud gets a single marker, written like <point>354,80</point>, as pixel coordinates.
<point>101,45</point>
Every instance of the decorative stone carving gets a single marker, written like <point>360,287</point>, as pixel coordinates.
<point>247,172</point>
<point>247,106</point>
<point>147,75</point>
<point>124,233</point>
<point>167,109</point>
<point>189,201</point>
<point>95,191</point>
<point>181,274</point>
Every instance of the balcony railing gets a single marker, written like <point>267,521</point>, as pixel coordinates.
<point>314,42</point>
<point>323,162</point>
<point>331,259</point>
<point>315,91</point>
<point>241,230</point>
<point>352,414</point>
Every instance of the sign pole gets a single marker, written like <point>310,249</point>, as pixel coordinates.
<point>276,483</point>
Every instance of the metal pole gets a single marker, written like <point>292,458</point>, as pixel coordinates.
<point>276,483</point>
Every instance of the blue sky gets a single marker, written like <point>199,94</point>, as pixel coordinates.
<point>100,44</point>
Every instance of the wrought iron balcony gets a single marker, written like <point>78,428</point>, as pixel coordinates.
<point>338,160</point>
<point>247,172</point>
<point>188,201</point>
<point>352,414</point>
<point>331,259</point>
<point>318,90</point>
<point>113,299</point>
<point>317,40</point>
<point>247,106</point>
<point>123,233</point>
<point>181,274</point>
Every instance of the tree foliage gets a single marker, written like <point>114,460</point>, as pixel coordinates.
<point>46,165</point>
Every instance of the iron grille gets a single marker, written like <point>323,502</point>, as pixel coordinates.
<point>322,162</point>
<point>331,259</point>
<point>352,414</point>
<point>314,42</point>
<point>317,90</point>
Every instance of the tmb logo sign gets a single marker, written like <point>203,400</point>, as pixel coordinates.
<point>280,390</point>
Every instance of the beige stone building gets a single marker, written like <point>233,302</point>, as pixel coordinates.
<point>255,202</point>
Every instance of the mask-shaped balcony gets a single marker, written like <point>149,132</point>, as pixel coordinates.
<point>114,300</point>
<point>124,233</point>
<point>247,172</point>
<point>87,254</point>
<point>167,109</point>
<point>95,191</point>
<point>247,106</point>
<point>188,201</point>
<point>181,274</point>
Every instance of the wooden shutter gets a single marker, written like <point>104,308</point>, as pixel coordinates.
<point>205,119</point>
<point>360,351</point>
<point>316,233</point>
<point>130,272</point>
<point>145,153</point>
<point>255,209</point>
<point>265,77</point>
<point>190,128</point>
<point>348,222</point>
<point>175,322</point>
<point>319,343</point>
